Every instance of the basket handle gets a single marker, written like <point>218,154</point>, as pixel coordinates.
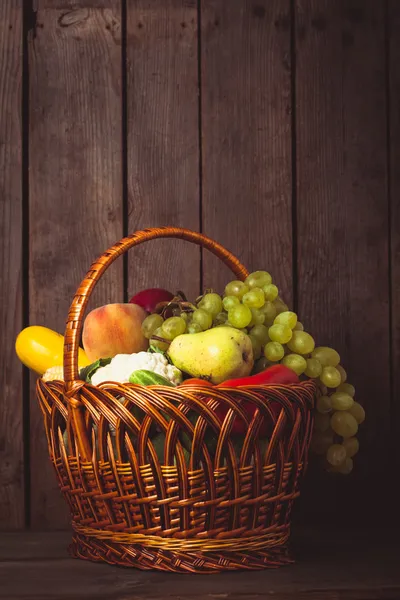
<point>81,298</point>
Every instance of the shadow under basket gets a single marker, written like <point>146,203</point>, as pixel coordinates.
<point>154,478</point>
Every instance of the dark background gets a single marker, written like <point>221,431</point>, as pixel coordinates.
<point>272,126</point>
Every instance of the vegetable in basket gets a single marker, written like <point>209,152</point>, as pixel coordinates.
<point>275,375</point>
<point>39,348</point>
<point>121,368</point>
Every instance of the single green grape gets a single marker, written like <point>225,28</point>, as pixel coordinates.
<point>280,306</point>
<point>314,367</point>
<point>321,440</point>
<point>150,324</point>
<point>256,344</point>
<point>295,362</point>
<point>163,346</point>
<point>274,351</point>
<point>230,301</point>
<point>258,279</point>
<point>270,292</point>
<point>288,318</point>
<point>322,422</point>
<point>202,318</point>
<point>342,372</point>
<point>343,423</point>
<point>261,364</point>
<point>301,342</point>
<point>357,412</point>
<point>336,455</point>
<point>299,326</point>
<point>330,377</point>
<point>257,317</point>
<point>236,288</point>
<point>269,311</point>
<point>351,445</point>
<point>344,468</point>
<point>347,388</point>
<point>328,357</point>
<point>194,328</point>
<point>212,303</point>
<point>173,327</point>
<point>260,331</point>
<point>239,316</point>
<point>280,333</point>
<point>324,404</point>
<point>254,298</point>
<point>341,401</point>
<point>323,389</point>
<point>220,318</point>
<point>185,316</point>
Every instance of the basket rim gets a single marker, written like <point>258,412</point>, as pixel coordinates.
<point>264,386</point>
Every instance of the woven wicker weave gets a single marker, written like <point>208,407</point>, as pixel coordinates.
<point>198,502</point>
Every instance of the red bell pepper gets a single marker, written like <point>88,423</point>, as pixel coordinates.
<point>277,374</point>
<point>196,381</point>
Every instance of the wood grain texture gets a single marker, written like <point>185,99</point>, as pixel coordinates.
<point>246,136</point>
<point>11,432</point>
<point>343,218</point>
<point>349,565</point>
<point>394,154</point>
<point>74,4</point>
<point>75,187</point>
<point>163,144</point>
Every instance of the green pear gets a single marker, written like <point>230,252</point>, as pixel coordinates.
<point>216,354</point>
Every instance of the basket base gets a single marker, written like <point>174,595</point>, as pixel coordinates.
<point>144,558</point>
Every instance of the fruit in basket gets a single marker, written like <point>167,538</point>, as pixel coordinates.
<point>216,354</point>
<point>114,329</point>
<point>149,299</point>
<point>40,348</point>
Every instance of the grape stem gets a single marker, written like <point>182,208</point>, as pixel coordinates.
<point>160,339</point>
<point>163,308</point>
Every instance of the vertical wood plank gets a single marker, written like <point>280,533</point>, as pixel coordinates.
<point>246,136</point>
<point>11,430</point>
<point>394,153</point>
<point>75,185</point>
<point>162,138</point>
<point>343,219</point>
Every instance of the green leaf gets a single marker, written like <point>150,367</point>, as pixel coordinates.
<point>87,372</point>
<point>154,350</point>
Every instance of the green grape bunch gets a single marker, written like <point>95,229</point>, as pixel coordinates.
<point>277,336</point>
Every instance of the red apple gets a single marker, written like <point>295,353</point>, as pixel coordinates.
<point>148,299</point>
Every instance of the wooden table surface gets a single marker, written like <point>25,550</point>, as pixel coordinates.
<point>333,564</point>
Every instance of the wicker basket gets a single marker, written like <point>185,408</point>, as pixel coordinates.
<point>209,509</point>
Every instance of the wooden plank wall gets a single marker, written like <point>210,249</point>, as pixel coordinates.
<point>12,497</point>
<point>271,125</point>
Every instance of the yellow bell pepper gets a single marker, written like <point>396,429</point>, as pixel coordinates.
<point>40,348</point>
